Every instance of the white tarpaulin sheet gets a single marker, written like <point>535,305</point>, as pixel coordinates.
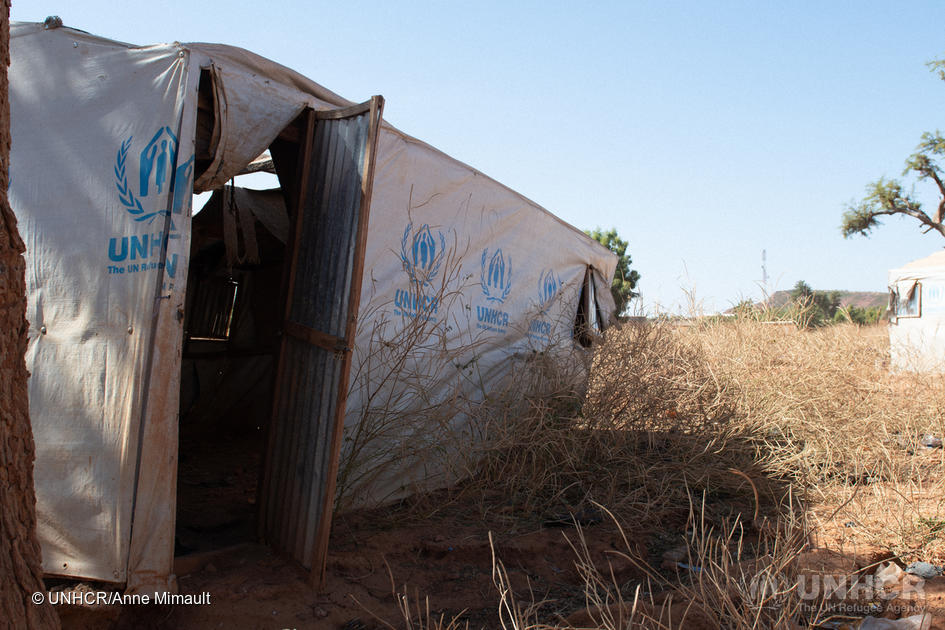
<point>102,140</point>
<point>486,274</point>
<point>102,171</point>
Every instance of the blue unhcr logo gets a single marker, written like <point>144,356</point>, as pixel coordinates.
<point>158,171</point>
<point>422,255</point>
<point>496,276</point>
<point>548,284</point>
<point>153,165</point>
<point>145,192</point>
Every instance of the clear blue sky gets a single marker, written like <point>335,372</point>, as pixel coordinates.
<point>703,133</point>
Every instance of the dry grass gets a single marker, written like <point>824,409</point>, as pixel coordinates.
<point>839,425</point>
<point>653,425</point>
<point>726,581</point>
<point>770,438</point>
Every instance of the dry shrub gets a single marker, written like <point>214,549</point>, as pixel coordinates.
<point>728,580</point>
<point>645,377</point>
<point>655,424</point>
<point>734,413</point>
<point>669,412</point>
<point>837,423</point>
<point>673,408</point>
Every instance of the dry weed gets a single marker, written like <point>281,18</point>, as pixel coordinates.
<point>837,423</point>
<point>741,414</point>
<point>655,423</point>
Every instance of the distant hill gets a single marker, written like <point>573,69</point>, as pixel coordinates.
<point>860,299</point>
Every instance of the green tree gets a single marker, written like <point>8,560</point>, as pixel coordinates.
<point>745,309</point>
<point>625,278</point>
<point>862,316</point>
<point>801,290</point>
<point>813,308</point>
<point>886,197</point>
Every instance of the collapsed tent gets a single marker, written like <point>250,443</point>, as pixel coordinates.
<point>917,315</point>
<point>383,280</point>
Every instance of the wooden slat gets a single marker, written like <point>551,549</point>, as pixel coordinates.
<point>347,112</point>
<point>318,338</point>
<point>259,165</point>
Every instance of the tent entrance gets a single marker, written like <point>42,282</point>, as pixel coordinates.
<point>273,292</point>
<point>231,343</point>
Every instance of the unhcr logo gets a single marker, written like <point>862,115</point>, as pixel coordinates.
<point>158,173</point>
<point>496,276</point>
<point>154,187</point>
<point>411,305</point>
<point>548,284</point>
<point>421,254</point>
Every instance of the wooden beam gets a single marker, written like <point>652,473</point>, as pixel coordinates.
<point>318,338</point>
<point>259,165</point>
<point>347,112</point>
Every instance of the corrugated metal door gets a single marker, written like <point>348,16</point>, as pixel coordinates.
<point>323,293</point>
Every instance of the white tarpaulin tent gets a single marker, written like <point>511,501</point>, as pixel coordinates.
<point>917,315</point>
<point>109,142</point>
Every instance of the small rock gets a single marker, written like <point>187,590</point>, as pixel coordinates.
<point>930,441</point>
<point>924,570</point>
<point>915,622</point>
<point>439,538</point>
<point>321,613</point>
<point>210,568</point>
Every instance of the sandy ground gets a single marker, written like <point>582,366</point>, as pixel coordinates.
<point>438,553</point>
<point>446,564</point>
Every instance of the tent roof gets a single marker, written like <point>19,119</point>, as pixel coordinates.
<point>934,263</point>
<point>282,82</point>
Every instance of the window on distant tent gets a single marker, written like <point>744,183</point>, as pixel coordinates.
<point>905,299</point>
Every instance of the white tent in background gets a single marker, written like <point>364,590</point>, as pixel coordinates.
<point>917,315</point>
<point>281,312</point>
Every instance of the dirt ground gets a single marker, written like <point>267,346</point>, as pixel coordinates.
<point>373,561</point>
<point>444,564</point>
